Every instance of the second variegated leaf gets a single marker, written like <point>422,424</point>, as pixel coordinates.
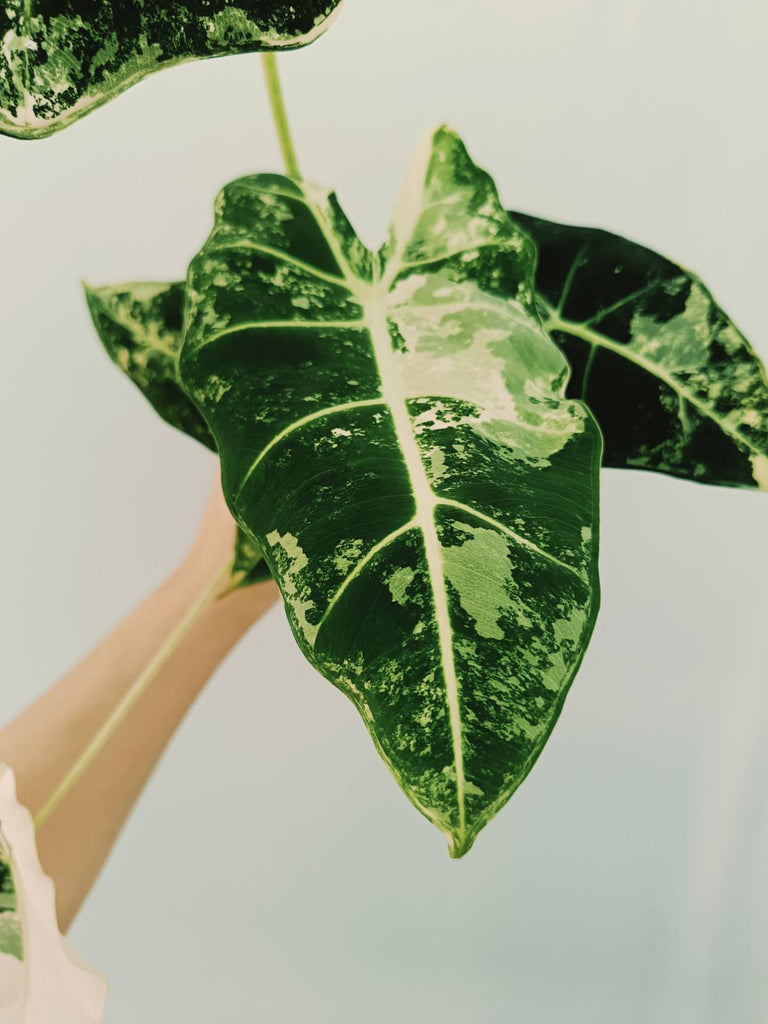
<point>139,324</point>
<point>673,383</point>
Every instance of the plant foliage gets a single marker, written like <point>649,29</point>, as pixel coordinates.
<point>59,60</point>
<point>404,441</point>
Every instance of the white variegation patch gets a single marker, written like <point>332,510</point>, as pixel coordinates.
<point>41,979</point>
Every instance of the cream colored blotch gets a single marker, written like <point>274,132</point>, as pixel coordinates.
<point>760,471</point>
<point>51,985</point>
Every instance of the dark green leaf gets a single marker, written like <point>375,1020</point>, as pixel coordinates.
<point>61,58</point>
<point>140,326</point>
<point>394,433</point>
<point>672,382</point>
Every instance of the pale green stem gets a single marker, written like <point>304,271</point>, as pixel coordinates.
<point>137,688</point>
<point>278,112</point>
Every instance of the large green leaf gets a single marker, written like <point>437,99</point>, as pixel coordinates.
<point>140,325</point>
<point>394,433</point>
<point>61,58</point>
<point>673,383</point>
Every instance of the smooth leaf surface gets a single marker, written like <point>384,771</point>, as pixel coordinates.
<point>394,433</point>
<point>673,383</point>
<point>59,60</point>
<point>140,326</point>
<point>40,978</point>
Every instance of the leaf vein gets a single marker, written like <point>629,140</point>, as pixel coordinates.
<point>516,537</point>
<point>591,336</point>
<point>330,410</point>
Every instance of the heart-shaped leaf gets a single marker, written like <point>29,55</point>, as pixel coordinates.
<point>139,325</point>
<point>59,60</point>
<point>394,433</point>
<point>671,380</point>
<point>40,978</point>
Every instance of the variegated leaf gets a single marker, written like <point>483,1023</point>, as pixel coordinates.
<point>394,433</point>
<point>139,325</point>
<point>59,60</point>
<point>40,977</point>
<point>671,380</point>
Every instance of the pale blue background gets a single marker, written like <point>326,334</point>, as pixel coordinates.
<point>273,872</point>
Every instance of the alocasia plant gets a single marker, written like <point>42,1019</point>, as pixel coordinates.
<point>416,391</point>
<point>59,60</point>
<point>601,295</point>
<point>402,441</point>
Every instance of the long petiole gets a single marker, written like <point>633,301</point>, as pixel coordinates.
<point>138,687</point>
<point>277,103</point>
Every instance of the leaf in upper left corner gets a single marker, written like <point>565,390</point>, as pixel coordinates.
<point>140,326</point>
<point>60,59</point>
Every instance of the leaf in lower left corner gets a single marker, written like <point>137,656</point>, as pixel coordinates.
<point>40,978</point>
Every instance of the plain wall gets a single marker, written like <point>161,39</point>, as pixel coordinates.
<point>273,871</point>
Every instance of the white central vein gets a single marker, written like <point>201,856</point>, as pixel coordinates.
<point>373,299</point>
<point>425,502</point>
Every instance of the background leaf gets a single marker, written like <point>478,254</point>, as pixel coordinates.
<point>394,433</point>
<point>60,60</point>
<point>673,383</point>
<point>140,326</point>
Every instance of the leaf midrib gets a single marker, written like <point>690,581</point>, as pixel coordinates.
<point>372,298</point>
<point>425,502</point>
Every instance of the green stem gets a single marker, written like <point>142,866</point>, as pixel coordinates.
<point>137,688</point>
<point>278,112</point>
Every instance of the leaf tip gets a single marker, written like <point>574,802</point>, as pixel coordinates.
<point>460,843</point>
<point>760,471</point>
